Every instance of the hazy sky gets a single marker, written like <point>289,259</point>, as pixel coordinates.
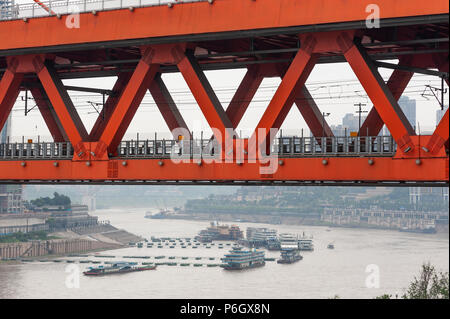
<point>334,87</point>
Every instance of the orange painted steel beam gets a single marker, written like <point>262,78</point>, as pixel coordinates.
<point>293,169</point>
<point>64,108</point>
<point>110,105</point>
<point>290,87</point>
<point>201,18</point>
<point>48,113</point>
<point>167,106</point>
<point>9,91</point>
<point>312,115</point>
<point>380,95</point>
<point>205,96</point>
<point>128,104</point>
<point>397,84</point>
<point>244,94</point>
<point>440,136</point>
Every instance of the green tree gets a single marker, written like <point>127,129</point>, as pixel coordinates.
<point>430,284</point>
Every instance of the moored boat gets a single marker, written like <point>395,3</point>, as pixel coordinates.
<point>116,268</point>
<point>289,256</point>
<point>238,259</point>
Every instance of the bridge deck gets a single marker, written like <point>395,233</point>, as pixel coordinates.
<point>204,21</point>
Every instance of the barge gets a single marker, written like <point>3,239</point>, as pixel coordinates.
<point>116,268</point>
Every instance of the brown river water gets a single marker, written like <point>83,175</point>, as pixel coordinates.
<point>365,263</point>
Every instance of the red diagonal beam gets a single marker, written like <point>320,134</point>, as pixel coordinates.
<point>166,105</point>
<point>380,95</point>
<point>312,114</point>
<point>204,95</point>
<point>64,108</point>
<point>110,105</point>
<point>440,136</point>
<point>289,89</point>
<point>244,95</point>
<point>310,111</point>
<point>397,84</point>
<point>9,91</point>
<point>48,113</point>
<point>128,104</point>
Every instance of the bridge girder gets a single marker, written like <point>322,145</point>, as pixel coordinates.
<point>291,56</point>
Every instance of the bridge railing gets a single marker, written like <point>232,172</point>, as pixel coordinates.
<point>35,151</point>
<point>291,146</point>
<point>283,146</point>
<point>61,7</point>
<point>335,146</point>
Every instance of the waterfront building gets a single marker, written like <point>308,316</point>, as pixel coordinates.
<point>21,223</point>
<point>10,195</point>
<point>384,218</point>
<point>11,199</point>
<point>8,9</point>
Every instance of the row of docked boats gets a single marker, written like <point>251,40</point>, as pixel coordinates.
<point>239,259</point>
<point>236,259</point>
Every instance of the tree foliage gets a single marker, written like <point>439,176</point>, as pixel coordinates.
<point>57,200</point>
<point>430,284</point>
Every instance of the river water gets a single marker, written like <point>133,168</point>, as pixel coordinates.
<point>365,263</point>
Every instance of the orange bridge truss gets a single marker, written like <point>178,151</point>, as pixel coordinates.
<point>284,38</point>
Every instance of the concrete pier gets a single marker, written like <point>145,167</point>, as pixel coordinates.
<point>51,247</point>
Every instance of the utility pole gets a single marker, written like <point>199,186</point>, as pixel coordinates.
<point>360,105</point>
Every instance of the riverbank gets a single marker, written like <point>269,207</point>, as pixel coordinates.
<point>51,247</point>
<point>305,220</point>
<point>77,240</point>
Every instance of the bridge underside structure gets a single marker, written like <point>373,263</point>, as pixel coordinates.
<point>285,39</point>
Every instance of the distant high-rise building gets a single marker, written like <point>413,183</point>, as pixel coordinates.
<point>409,108</point>
<point>10,195</point>
<point>6,131</point>
<point>350,123</point>
<point>418,194</point>
<point>440,114</point>
<point>8,9</point>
